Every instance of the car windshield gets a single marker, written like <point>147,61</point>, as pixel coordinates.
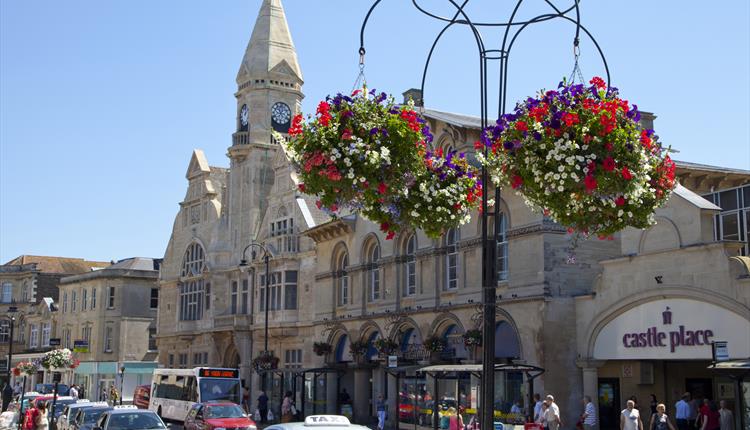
<point>220,389</point>
<point>134,421</point>
<point>91,415</point>
<point>224,411</point>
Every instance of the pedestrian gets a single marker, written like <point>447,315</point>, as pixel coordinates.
<point>695,405</point>
<point>17,390</point>
<point>711,417</point>
<point>653,403</point>
<point>552,415</point>
<point>635,402</point>
<point>660,420</point>
<point>588,418</point>
<point>630,418</point>
<point>73,392</point>
<point>537,406</point>
<point>29,419</point>
<point>726,420</point>
<point>682,412</point>
<point>344,398</point>
<point>114,395</point>
<point>455,421</point>
<point>7,395</point>
<point>41,422</point>
<point>245,398</point>
<point>543,416</point>
<point>286,408</point>
<point>263,406</point>
<point>381,408</point>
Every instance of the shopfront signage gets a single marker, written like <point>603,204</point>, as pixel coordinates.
<point>81,346</point>
<point>392,361</point>
<point>54,341</point>
<point>720,351</point>
<point>671,329</point>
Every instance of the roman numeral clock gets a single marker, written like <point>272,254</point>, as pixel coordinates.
<point>281,117</point>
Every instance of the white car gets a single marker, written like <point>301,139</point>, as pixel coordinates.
<point>319,422</point>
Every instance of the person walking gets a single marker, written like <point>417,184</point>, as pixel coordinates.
<point>263,407</point>
<point>653,403</point>
<point>41,422</point>
<point>588,418</point>
<point>711,417</point>
<point>726,420</point>
<point>114,395</point>
<point>17,390</point>
<point>660,420</point>
<point>73,392</point>
<point>7,395</point>
<point>630,418</point>
<point>542,419</point>
<point>537,406</point>
<point>381,408</point>
<point>245,398</point>
<point>682,412</point>
<point>552,415</point>
<point>286,408</point>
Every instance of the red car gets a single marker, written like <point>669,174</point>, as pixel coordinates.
<point>211,415</point>
<point>142,396</point>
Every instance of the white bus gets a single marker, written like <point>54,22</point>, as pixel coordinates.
<point>174,391</point>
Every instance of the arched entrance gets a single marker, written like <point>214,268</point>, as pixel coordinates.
<point>508,385</point>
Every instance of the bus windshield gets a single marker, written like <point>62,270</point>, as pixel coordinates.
<point>212,389</point>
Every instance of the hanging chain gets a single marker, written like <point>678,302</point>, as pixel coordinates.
<point>576,72</point>
<point>361,81</point>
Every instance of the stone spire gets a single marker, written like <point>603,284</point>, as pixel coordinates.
<point>270,46</point>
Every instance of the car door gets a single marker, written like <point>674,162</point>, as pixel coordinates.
<point>190,418</point>
<point>199,422</point>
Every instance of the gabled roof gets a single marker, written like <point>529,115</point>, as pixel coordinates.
<point>695,199</point>
<point>137,263</point>
<point>62,265</point>
<point>198,164</point>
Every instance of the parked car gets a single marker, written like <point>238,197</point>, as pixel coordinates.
<point>62,389</point>
<point>87,417</point>
<point>60,405</point>
<point>129,418</point>
<point>141,396</point>
<point>319,422</point>
<point>218,415</point>
<point>66,420</point>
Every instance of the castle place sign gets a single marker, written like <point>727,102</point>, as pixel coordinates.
<point>654,338</point>
<point>672,329</point>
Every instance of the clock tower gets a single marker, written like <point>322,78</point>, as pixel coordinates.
<point>269,92</point>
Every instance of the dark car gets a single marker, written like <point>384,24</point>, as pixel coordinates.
<point>215,415</point>
<point>142,396</point>
<point>87,417</point>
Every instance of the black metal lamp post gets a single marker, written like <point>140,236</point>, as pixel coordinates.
<point>122,382</point>
<point>11,310</point>
<point>461,17</point>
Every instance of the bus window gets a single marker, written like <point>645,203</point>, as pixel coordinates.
<point>212,389</point>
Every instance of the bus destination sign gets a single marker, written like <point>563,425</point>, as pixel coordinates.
<point>218,373</point>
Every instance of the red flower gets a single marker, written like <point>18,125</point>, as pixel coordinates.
<point>478,145</point>
<point>522,126</point>
<point>301,187</point>
<point>296,127</point>
<point>516,181</point>
<point>334,207</point>
<point>608,146</point>
<point>16,371</point>
<point>645,139</point>
<point>590,182</point>
<point>319,204</point>
<point>620,201</point>
<point>598,82</point>
<point>382,188</point>
<point>346,135</point>
<point>626,173</point>
<point>323,108</point>
<point>609,164</point>
<point>570,119</point>
<point>390,235</point>
<point>384,226</point>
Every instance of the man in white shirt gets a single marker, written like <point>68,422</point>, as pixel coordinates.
<point>630,419</point>
<point>589,414</point>
<point>682,412</point>
<point>552,415</point>
<point>73,392</point>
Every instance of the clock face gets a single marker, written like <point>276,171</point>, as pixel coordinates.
<point>281,114</point>
<point>244,115</point>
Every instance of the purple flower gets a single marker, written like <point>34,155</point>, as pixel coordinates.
<point>634,114</point>
<point>537,135</point>
<point>508,144</point>
<point>347,114</point>
<point>374,131</point>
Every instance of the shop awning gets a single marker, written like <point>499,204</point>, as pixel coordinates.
<point>737,368</point>
<point>86,368</point>
<point>402,370</point>
<point>532,371</point>
<point>140,367</point>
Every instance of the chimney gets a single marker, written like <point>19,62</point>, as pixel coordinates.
<point>413,94</point>
<point>647,120</point>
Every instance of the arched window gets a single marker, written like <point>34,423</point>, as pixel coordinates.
<point>343,352</point>
<point>451,259</point>
<point>341,278</point>
<point>410,265</point>
<point>372,352</point>
<point>192,288</point>
<point>502,248</point>
<point>373,272</point>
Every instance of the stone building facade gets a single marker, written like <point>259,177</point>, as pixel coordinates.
<point>109,317</point>
<point>340,282</point>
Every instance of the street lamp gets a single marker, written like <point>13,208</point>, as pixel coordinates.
<point>244,266</point>
<point>12,319</point>
<point>122,382</point>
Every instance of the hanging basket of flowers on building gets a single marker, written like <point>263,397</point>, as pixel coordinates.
<point>322,348</point>
<point>385,346</point>
<point>580,154</point>
<point>472,338</point>
<point>364,153</point>
<point>359,348</point>
<point>435,344</point>
<point>265,361</point>
<point>59,359</point>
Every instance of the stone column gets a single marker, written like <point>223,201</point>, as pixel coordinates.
<point>589,372</point>
<point>332,395</point>
<point>361,396</point>
<point>392,401</point>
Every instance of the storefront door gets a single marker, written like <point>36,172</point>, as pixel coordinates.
<point>700,388</point>
<point>609,403</point>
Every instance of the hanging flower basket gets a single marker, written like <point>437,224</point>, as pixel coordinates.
<point>580,155</point>
<point>322,348</point>
<point>358,348</point>
<point>435,344</point>
<point>473,338</point>
<point>58,359</point>
<point>265,361</point>
<point>366,154</point>
<point>385,346</point>
<point>27,368</point>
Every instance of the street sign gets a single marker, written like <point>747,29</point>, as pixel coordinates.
<point>392,361</point>
<point>720,350</point>
<point>54,341</point>
<point>80,346</point>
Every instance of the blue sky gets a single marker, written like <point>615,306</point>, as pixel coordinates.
<point>101,103</point>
